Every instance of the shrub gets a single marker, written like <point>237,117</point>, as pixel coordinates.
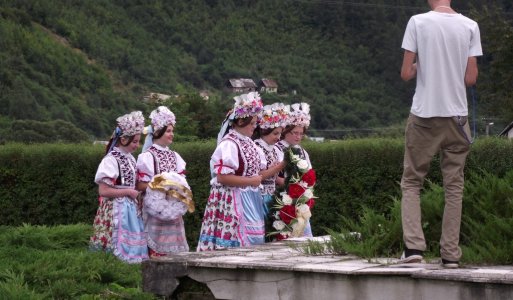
<point>53,183</point>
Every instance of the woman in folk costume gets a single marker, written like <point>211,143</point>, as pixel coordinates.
<point>234,214</point>
<point>118,226</point>
<point>164,236</point>
<point>298,122</point>
<point>270,126</point>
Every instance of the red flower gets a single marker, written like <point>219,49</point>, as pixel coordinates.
<point>295,190</point>
<point>310,203</point>
<point>280,237</point>
<point>309,177</point>
<point>287,213</point>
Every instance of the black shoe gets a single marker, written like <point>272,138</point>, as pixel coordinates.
<point>411,256</point>
<point>450,264</point>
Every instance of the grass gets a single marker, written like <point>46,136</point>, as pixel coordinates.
<point>39,262</point>
<point>486,229</point>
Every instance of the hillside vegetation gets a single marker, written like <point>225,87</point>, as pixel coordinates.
<point>86,62</point>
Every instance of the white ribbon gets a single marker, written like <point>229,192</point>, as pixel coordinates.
<point>225,127</point>
<point>148,141</point>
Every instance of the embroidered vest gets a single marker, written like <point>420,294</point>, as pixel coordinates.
<point>271,156</point>
<point>126,165</point>
<point>249,159</point>
<point>163,160</point>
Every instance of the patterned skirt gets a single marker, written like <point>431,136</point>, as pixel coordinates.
<point>233,217</point>
<point>166,236</point>
<point>119,229</point>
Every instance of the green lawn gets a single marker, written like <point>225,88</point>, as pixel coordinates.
<point>39,262</point>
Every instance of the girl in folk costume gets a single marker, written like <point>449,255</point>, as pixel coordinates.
<point>298,122</point>
<point>164,235</point>
<point>234,214</point>
<point>118,226</point>
<point>272,121</point>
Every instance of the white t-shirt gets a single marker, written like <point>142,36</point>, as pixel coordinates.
<point>443,43</point>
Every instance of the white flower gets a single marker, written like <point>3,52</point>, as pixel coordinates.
<point>356,235</point>
<point>303,208</point>
<point>308,193</point>
<point>287,200</point>
<point>279,225</point>
<point>302,165</point>
<point>286,234</point>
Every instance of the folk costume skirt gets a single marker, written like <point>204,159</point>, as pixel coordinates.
<point>119,229</point>
<point>234,217</point>
<point>166,236</point>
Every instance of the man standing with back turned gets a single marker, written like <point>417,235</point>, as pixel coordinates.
<point>440,49</point>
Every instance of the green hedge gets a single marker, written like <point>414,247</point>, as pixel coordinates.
<point>53,183</point>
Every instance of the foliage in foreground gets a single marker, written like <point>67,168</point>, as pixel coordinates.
<point>486,235</point>
<point>39,262</point>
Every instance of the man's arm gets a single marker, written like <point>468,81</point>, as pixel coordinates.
<point>409,68</point>
<point>471,72</point>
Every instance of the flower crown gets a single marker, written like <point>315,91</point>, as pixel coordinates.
<point>274,115</point>
<point>299,114</point>
<point>247,105</point>
<point>162,117</point>
<point>131,124</point>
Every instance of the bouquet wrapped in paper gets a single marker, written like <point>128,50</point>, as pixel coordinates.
<point>168,196</point>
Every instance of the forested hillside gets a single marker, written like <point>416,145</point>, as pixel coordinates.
<point>68,68</point>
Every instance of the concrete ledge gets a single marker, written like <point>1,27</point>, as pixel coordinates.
<point>276,271</point>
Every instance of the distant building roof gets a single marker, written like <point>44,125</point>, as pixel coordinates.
<point>156,97</point>
<point>269,83</point>
<point>204,94</point>
<point>242,83</point>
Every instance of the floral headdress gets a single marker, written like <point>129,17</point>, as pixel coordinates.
<point>274,115</point>
<point>162,117</point>
<point>300,114</point>
<point>130,124</point>
<point>247,105</point>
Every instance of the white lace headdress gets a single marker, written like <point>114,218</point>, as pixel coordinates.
<point>162,117</point>
<point>299,114</point>
<point>274,115</point>
<point>131,124</point>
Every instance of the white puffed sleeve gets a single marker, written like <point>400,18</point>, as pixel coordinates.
<point>108,171</point>
<point>225,159</point>
<point>145,167</point>
<point>180,164</point>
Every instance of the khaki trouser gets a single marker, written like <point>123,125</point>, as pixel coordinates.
<point>424,138</point>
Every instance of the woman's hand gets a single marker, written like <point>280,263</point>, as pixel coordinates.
<point>255,180</point>
<point>132,193</point>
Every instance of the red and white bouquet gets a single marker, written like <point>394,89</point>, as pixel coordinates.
<point>291,208</point>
